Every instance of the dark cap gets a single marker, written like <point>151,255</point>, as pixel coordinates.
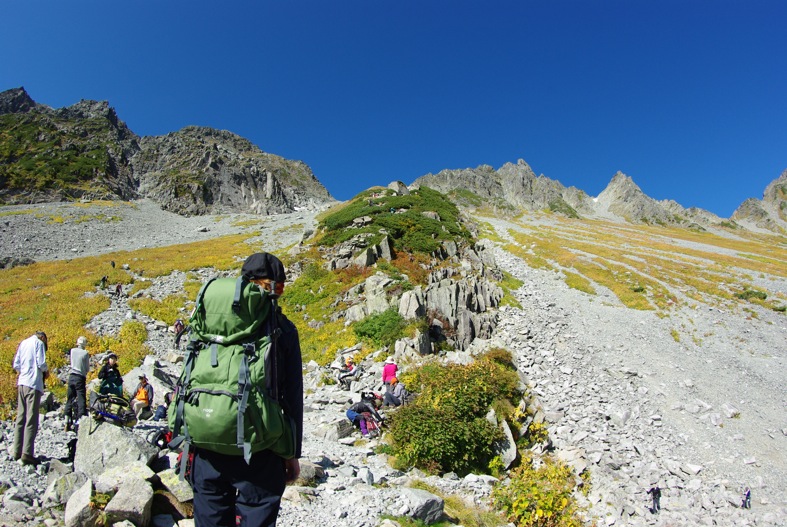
<point>263,265</point>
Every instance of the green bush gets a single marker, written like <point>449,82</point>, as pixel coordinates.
<point>383,329</point>
<point>539,497</point>
<point>445,428</point>
<point>748,294</point>
<point>401,217</point>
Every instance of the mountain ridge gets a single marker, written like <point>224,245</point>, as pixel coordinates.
<point>517,186</point>
<point>85,151</point>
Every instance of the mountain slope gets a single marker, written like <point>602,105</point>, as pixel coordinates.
<point>85,151</point>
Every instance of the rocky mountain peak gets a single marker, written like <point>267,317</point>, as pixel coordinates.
<point>625,199</point>
<point>768,214</point>
<point>16,100</point>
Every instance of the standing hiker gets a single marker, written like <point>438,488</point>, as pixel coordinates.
<point>76,394</point>
<point>245,480</point>
<point>655,493</point>
<point>30,362</point>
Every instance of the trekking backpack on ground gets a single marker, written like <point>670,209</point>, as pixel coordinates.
<point>112,408</point>
<point>227,397</point>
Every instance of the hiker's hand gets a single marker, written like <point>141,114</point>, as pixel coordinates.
<point>292,469</point>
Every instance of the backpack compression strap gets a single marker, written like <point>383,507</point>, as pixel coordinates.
<point>244,388</point>
<point>184,438</point>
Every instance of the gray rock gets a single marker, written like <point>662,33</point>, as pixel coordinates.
<point>132,502</point>
<point>109,480</point>
<point>423,505</point>
<point>171,481</point>
<point>103,445</point>
<point>62,487</point>
<point>336,430</point>
<point>79,512</point>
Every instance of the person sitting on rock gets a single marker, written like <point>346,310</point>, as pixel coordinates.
<point>161,410</point>
<point>143,398</point>
<point>347,374</point>
<point>395,394</point>
<point>111,380</point>
<point>356,415</point>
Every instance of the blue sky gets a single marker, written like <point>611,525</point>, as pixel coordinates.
<point>689,98</point>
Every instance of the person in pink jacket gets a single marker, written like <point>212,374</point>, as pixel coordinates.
<point>389,370</point>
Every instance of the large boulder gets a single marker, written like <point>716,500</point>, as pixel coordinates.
<point>102,445</point>
<point>112,478</point>
<point>423,505</point>
<point>62,487</point>
<point>179,488</point>
<point>132,502</point>
<point>79,510</point>
<point>335,430</point>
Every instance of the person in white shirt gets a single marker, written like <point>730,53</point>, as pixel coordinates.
<point>30,362</point>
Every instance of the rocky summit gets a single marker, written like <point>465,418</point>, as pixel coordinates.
<point>85,151</point>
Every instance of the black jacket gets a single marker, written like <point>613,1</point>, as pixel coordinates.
<point>290,377</point>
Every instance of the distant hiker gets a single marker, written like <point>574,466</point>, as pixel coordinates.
<point>348,373</point>
<point>395,394</point>
<point>112,263</point>
<point>104,281</point>
<point>655,493</point>
<point>76,396</point>
<point>111,380</point>
<point>142,401</point>
<point>30,362</point>
<point>359,413</point>
<point>746,504</point>
<point>241,476</point>
<point>119,290</point>
<point>389,370</point>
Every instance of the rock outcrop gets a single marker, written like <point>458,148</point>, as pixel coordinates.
<point>770,213</point>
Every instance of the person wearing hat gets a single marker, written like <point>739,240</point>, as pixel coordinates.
<point>348,373</point>
<point>143,397</point>
<point>226,486</point>
<point>76,395</point>
<point>389,370</point>
<point>395,394</point>
<point>111,380</point>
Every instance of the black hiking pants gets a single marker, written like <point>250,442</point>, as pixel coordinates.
<point>226,488</point>
<point>76,396</point>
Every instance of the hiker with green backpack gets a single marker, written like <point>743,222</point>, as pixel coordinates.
<point>238,406</point>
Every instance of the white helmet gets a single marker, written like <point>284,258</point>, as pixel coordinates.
<point>81,342</point>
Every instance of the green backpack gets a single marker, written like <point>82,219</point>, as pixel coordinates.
<point>226,399</point>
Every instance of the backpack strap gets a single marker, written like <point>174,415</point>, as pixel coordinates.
<point>239,283</point>
<point>244,388</point>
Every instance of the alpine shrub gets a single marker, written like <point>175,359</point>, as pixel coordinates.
<point>445,427</point>
<point>539,497</point>
<point>382,328</point>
